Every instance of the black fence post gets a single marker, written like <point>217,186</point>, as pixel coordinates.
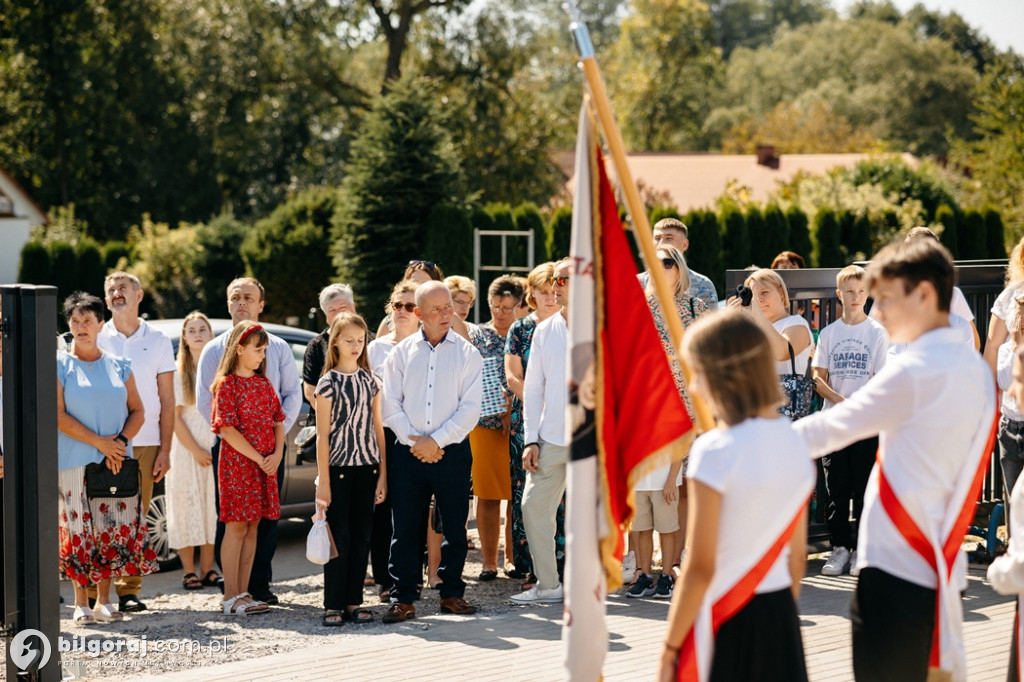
<point>30,580</point>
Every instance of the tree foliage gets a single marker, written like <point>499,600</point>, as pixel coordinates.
<point>800,234</point>
<point>289,252</point>
<point>828,251</point>
<point>907,90</point>
<point>995,159</point>
<point>662,73</point>
<point>735,239</point>
<point>752,23</point>
<point>402,166</point>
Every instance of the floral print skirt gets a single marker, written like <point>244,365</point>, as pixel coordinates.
<point>100,538</point>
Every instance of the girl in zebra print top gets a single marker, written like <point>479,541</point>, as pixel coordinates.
<point>351,472</point>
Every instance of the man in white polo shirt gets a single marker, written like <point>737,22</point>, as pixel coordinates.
<point>545,396</point>
<point>152,357</point>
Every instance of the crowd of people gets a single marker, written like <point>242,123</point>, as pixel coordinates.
<point>414,421</point>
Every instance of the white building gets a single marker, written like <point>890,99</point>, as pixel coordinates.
<point>18,213</point>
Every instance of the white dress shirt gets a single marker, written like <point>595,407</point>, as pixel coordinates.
<point>545,391</point>
<point>151,354</point>
<point>432,390</point>
<point>928,405</point>
<point>281,371</point>
<point>1004,377</point>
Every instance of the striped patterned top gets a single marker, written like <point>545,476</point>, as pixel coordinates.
<point>353,442</point>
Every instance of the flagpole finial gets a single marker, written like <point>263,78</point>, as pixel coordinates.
<point>579,31</point>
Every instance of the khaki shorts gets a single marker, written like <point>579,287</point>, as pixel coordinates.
<point>654,513</point>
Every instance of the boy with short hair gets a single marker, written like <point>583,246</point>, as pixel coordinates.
<point>656,497</point>
<point>933,408</point>
<point>850,351</point>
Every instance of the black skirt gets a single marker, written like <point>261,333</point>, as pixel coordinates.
<point>761,642</point>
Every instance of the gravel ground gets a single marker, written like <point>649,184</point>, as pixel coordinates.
<point>176,618</point>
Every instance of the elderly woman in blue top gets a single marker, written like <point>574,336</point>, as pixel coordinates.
<point>99,411</point>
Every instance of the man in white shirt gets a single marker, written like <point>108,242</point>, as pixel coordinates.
<point>152,357</point>
<point>433,387</point>
<point>933,408</point>
<point>245,302</point>
<point>545,396</point>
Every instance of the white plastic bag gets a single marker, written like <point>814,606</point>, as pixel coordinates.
<point>318,542</point>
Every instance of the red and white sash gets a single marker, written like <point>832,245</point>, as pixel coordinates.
<point>699,644</point>
<point>947,651</point>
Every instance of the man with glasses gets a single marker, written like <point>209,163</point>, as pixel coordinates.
<point>432,395</point>
<point>672,232</point>
<point>545,397</point>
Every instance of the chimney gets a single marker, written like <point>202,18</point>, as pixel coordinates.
<point>766,156</point>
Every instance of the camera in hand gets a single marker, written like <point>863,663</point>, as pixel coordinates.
<point>746,294</point>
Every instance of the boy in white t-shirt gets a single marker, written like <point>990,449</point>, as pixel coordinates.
<point>850,351</point>
<point>656,497</point>
<point>933,407</point>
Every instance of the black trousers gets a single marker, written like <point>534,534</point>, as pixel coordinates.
<point>412,484</point>
<point>380,536</point>
<point>893,624</point>
<point>266,536</point>
<point>350,518</point>
<point>846,477</point>
<point>761,642</point>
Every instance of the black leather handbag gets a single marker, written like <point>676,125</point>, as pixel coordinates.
<point>100,481</point>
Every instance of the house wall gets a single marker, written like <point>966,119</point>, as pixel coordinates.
<point>13,236</point>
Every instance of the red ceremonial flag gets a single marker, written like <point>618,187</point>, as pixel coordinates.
<point>624,406</point>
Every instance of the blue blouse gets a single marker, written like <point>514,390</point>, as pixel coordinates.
<point>95,394</point>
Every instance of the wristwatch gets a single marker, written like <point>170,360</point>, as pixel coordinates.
<point>121,438</point>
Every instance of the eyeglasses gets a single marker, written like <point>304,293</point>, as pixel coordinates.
<point>508,310</point>
<point>669,263</point>
<point>408,307</point>
<point>560,281</point>
<point>426,264</point>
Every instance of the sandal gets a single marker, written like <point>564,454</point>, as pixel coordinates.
<point>212,578</point>
<point>238,606</point>
<point>83,616</point>
<point>487,576</point>
<point>384,595</point>
<point>333,618</point>
<point>106,613</point>
<point>357,615</point>
<point>191,581</point>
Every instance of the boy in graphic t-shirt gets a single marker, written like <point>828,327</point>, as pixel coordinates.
<point>850,351</point>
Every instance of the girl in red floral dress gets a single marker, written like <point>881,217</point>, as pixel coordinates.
<point>247,414</point>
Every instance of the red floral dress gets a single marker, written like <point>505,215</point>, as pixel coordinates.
<point>100,538</point>
<point>251,406</point>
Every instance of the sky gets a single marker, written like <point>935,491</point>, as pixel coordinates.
<point>1001,20</point>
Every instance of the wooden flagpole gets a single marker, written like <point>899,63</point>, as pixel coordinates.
<point>641,226</point>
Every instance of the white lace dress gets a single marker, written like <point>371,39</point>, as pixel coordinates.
<point>191,506</point>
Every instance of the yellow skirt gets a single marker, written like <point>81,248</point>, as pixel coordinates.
<point>491,477</point>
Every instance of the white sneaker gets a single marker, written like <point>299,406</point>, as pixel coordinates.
<point>534,595</point>
<point>854,571</point>
<point>628,568</point>
<point>838,563</point>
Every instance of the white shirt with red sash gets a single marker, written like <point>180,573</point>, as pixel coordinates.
<point>763,471</point>
<point>1006,573</point>
<point>933,407</point>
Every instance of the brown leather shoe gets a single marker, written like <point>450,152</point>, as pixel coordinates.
<point>457,605</point>
<point>399,612</point>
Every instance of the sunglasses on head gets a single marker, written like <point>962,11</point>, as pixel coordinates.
<point>669,263</point>
<point>408,307</point>
<point>424,264</point>
<point>560,281</point>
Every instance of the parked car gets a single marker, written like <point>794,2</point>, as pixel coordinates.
<point>297,490</point>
